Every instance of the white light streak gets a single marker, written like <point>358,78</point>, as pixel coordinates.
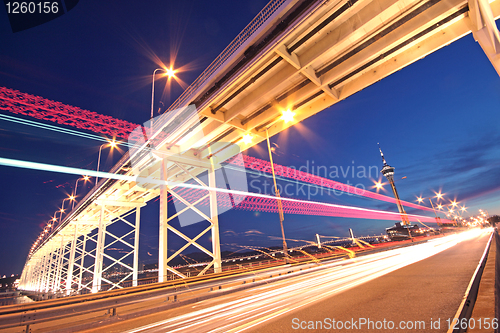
<point>250,308</point>
<point>101,174</point>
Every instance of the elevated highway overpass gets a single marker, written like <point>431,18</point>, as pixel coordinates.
<point>295,56</point>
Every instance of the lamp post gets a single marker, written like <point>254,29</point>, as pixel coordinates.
<point>76,187</point>
<point>286,116</point>
<point>438,219</point>
<point>71,197</point>
<point>52,222</point>
<point>112,144</point>
<point>153,90</point>
<point>277,192</point>
<point>170,73</point>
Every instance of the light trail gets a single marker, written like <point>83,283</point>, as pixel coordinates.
<point>253,167</point>
<point>265,167</point>
<point>38,107</point>
<point>308,207</point>
<point>264,303</point>
<point>41,108</point>
<point>127,144</point>
<point>51,128</point>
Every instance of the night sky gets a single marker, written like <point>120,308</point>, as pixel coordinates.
<point>437,121</point>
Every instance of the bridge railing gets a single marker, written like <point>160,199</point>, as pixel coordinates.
<point>243,36</point>
<point>56,309</point>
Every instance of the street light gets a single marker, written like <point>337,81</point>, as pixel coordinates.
<point>170,73</point>
<point>71,197</point>
<point>287,116</point>
<point>247,139</point>
<point>112,144</point>
<point>277,192</point>
<point>85,178</point>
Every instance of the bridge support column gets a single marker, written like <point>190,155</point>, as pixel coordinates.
<point>45,273</point>
<point>69,277</point>
<point>25,282</point>
<point>30,274</point>
<point>163,248</point>
<point>136,246</point>
<point>101,235</point>
<point>61,253</point>
<point>215,220</point>
<point>50,273</point>
<point>42,273</point>
<point>128,261</point>
<point>188,168</point>
<point>82,262</point>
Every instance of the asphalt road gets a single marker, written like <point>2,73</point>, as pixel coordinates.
<point>416,284</point>
<point>429,290</point>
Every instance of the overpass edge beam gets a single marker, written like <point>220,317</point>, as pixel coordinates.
<point>485,31</point>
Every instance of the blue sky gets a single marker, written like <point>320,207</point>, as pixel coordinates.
<point>436,120</point>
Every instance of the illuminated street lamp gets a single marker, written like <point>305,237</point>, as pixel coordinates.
<point>247,138</point>
<point>112,144</point>
<point>61,211</point>
<point>85,178</point>
<point>439,196</point>
<point>170,73</point>
<point>287,116</point>
<point>71,197</point>
<point>277,192</point>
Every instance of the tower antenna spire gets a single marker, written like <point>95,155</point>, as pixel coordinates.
<point>381,154</point>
